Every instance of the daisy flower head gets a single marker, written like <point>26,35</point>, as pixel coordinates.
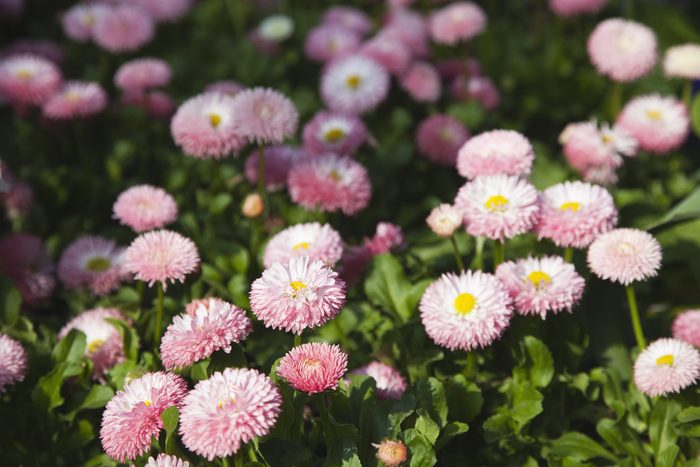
<point>263,115</point>
<point>93,262</point>
<point>164,10</point>
<point>161,256</point>
<point>76,99</point>
<point>204,126</point>
<point>164,460</point>
<point>411,28</point>
<point>208,325</point>
<point>659,123</point>
<point>28,79</point>
<point>444,220</point>
<point>228,409</point>
<point>622,50</point>
<point>13,362</point>
<point>302,293</point>
<point>123,28</point>
<point>330,183</point>
<point>574,213</point>
<point>495,152</point>
<point>132,417</point>
<point>387,237</point>
<point>625,256</point>
<point>104,342</point>
<point>466,311</point>
<point>334,132</point>
<point>422,82</point>
<point>576,7</point>
<point>666,366</point>
<point>686,327</point>
<point>24,259</point>
<point>279,160</point>
<point>349,18</point>
<point>682,61</point>
<point>138,75</point>
<point>389,51</point>
<point>145,207</point>
<point>440,137</point>
<point>390,383</point>
<point>327,42</point>
<point>541,285</point>
<point>354,84</point>
<point>498,206</point>
<point>458,21</point>
<point>314,240</point>
<point>313,367</point>
<point>79,21</point>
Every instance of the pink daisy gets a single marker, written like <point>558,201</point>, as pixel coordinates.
<point>498,206</point>
<point>24,259</point>
<point>440,137</point>
<point>686,327</point>
<point>264,115</point>
<point>391,453</point>
<point>104,343</point>
<point>666,366</point>
<point>145,207</point>
<point>444,220</point>
<point>330,183</point>
<point>541,285</point>
<point>227,86</point>
<point>314,367</point>
<point>422,82</point>
<point>477,88</point>
<point>622,50</point>
<point>279,160</point>
<point>123,28</point>
<point>93,262</point>
<point>390,383</point>
<point>302,293</point>
<point>682,61</point>
<point>77,99</point>
<point>28,79</point>
<point>140,74</point>
<point>132,418</point>
<point>354,84</point>
<point>314,240</point>
<point>458,21</point>
<point>659,123</point>
<point>326,42</point>
<point>160,104</point>
<point>349,18</point>
<point>576,7</point>
<point>575,213</point>
<point>389,51</point>
<point>625,256</point>
<point>161,256</point>
<point>411,28</point>
<point>334,132</point>
<point>387,237</point>
<point>495,152</point>
<point>230,408</point>
<point>209,325</point>
<point>164,10</point>
<point>13,362</point>
<point>204,126</point>
<point>79,21</point>
<point>465,311</point>
<point>164,460</point>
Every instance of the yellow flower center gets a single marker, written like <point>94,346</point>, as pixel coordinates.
<point>570,206</point>
<point>607,139</point>
<point>665,360</point>
<point>98,264</point>
<point>464,303</point>
<point>539,278</point>
<point>353,81</point>
<point>334,135</point>
<point>214,120</point>
<point>147,403</point>
<point>301,245</point>
<point>297,285</point>
<point>312,362</point>
<point>335,176</point>
<point>625,249</point>
<point>496,203</point>
<point>654,114</point>
<point>72,96</point>
<point>23,74</point>
<point>94,345</point>
<point>445,135</point>
<point>221,403</point>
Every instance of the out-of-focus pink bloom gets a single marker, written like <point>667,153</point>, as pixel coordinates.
<point>279,160</point>
<point>145,207</point>
<point>79,21</point>
<point>24,259</point>
<point>451,68</point>
<point>387,237</point>
<point>659,123</point>
<point>228,86</point>
<point>93,262</point>
<point>334,132</point>
<point>11,9</point>
<point>349,18</point>
<point>136,76</point>
<point>390,383</point>
<point>422,82</point>
<point>389,51</point>
<point>354,84</point>
<point>495,152</point>
<point>42,48</point>
<point>159,104</point>
<point>123,28</point>
<point>17,200</point>
<point>353,263</point>
<point>326,42</point>
<point>410,28</point>
<point>313,367</point>
<point>440,137</point>
<point>476,88</point>
<point>263,115</point>
<point>686,327</point>
<point>13,362</point>
<point>622,50</point>
<point>76,99</point>
<point>28,79</point>
<point>458,21</point>
<point>576,7</point>
<point>164,10</point>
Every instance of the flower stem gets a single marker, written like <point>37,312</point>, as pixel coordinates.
<point>634,314</point>
<point>224,461</point>
<point>159,317</point>
<point>498,253</point>
<point>568,254</point>
<point>238,458</point>
<point>479,257</point>
<point>458,256</point>
<point>261,180</point>
<point>687,93</point>
<point>615,101</point>
<point>297,340</point>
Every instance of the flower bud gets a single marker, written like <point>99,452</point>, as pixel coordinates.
<point>444,220</point>
<point>253,205</point>
<point>391,453</point>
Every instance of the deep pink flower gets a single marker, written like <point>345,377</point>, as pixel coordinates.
<point>314,367</point>
<point>440,137</point>
<point>422,82</point>
<point>387,237</point>
<point>326,42</point>
<point>348,18</point>
<point>28,79</point>
<point>145,207</point>
<point>389,51</point>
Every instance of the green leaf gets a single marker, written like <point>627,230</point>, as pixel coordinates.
<point>129,336</point>
<point>71,348</point>
<point>422,453</point>
<point>96,398</point>
<point>220,203</point>
<point>527,404</point>
<point>581,447</point>
<point>667,457</point>
<point>428,428</point>
<point>282,452</point>
<point>695,115</point>
<point>198,371</point>
<point>46,395</point>
<point>343,453</point>
<point>451,430</point>
<point>687,209</point>
<point>538,365</point>
<point>390,413</point>
<point>662,433</point>
<point>464,399</point>
<point>13,303</point>
<point>691,414</point>
<point>387,286</point>
<point>170,417</point>
<point>430,395</point>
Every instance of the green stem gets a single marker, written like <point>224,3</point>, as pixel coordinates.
<point>479,258</point>
<point>634,314</point>
<point>159,317</point>
<point>568,254</point>
<point>297,340</point>
<point>687,93</point>
<point>458,256</point>
<point>261,180</point>
<point>499,253</point>
<point>615,101</point>
<point>224,461</point>
<point>238,458</point>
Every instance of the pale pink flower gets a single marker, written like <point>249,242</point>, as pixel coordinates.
<point>466,311</point>
<point>576,7</point>
<point>391,453</point>
<point>28,79</point>
<point>228,409</point>
<point>145,207</point>
<point>104,344</point>
<point>387,237</point>
<point>299,294</point>
<point>132,418</point>
<point>575,213</point>
<point>334,132</point>
<point>314,240</point>
<point>411,28</point>
<point>495,152</point>
<point>93,262</point>
<point>659,123</point>
<point>24,259</point>
<point>314,367</point>
<point>13,362</point>
<point>264,115</point>
<point>164,460</point>
<point>389,51</point>
<point>326,42</point>
<point>477,88</point>
<point>79,21</point>
<point>440,137</point>
<point>161,256</point>
<point>123,28</point>
<point>458,21</point>
<point>354,84</point>
<point>444,220</point>
<point>76,99</point>
<point>498,206</point>
<point>279,160</point>
<point>164,10</point>
<point>625,256</point>
<point>390,384</point>
<point>666,366</point>
<point>686,327</point>
<point>422,82</point>
<point>349,18</point>
<point>622,50</point>
<point>138,75</point>
<point>682,61</point>
<point>330,183</point>
<point>209,325</point>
